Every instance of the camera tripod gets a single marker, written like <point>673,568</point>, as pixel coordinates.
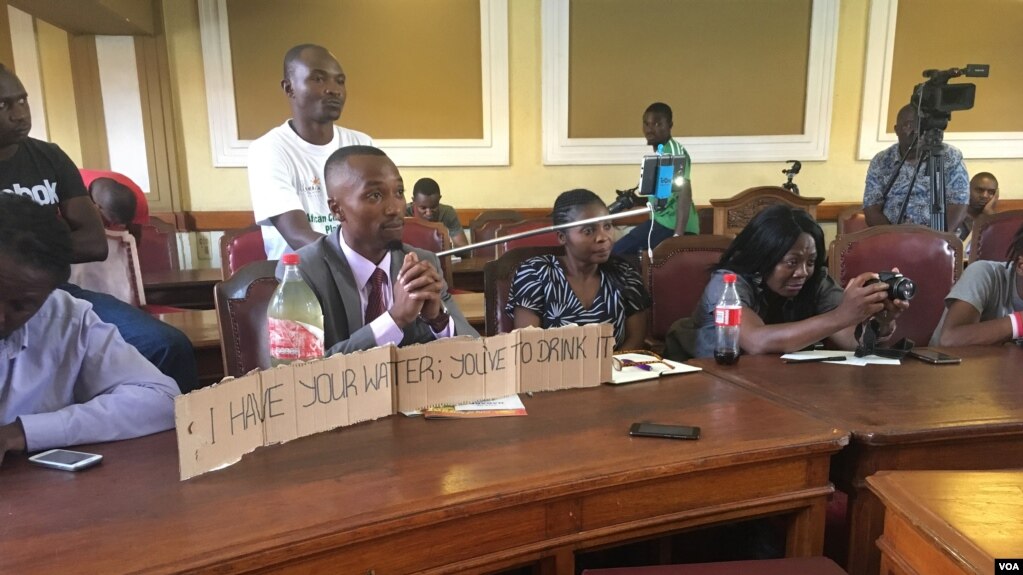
<point>932,152</point>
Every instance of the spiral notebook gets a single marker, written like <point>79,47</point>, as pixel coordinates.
<point>634,373</point>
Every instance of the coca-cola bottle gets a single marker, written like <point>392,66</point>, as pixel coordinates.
<point>294,318</point>
<point>727,319</point>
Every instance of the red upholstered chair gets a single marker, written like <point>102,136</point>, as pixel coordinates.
<point>158,247</point>
<point>546,239</point>
<point>993,234</point>
<point>851,220</point>
<point>432,237</point>
<point>239,247</point>
<point>790,566</point>
<point>677,276</point>
<point>497,277</point>
<point>933,260</point>
<point>732,214</point>
<point>241,302</point>
<point>484,227</point>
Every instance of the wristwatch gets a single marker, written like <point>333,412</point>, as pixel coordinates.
<point>439,323</point>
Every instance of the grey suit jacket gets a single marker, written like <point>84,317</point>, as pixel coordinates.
<point>324,267</point>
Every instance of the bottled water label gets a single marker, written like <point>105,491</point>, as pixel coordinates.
<point>291,340</point>
<point>728,316</point>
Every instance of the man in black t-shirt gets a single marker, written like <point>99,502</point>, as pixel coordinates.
<point>42,172</point>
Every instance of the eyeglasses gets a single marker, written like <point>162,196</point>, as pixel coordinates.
<point>620,363</point>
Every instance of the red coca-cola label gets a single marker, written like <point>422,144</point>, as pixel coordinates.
<point>291,340</point>
<point>728,316</point>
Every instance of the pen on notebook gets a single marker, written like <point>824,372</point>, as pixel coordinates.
<point>817,359</point>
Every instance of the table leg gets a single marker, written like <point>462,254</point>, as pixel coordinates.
<point>805,537</point>
<point>866,522</point>
<point>561,563</point>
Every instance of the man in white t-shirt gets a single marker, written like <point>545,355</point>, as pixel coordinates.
<point>289,200</point>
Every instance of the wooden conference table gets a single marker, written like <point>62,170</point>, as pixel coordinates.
<point>467,273</point>
<point>949,522</point>
<point>913,416</point>
<point>191,289</point>
<point>203,331</point>
<point>400,494</point>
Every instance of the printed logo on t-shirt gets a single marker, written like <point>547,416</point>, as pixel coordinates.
<point>43,194</point>
<point>313,188</point>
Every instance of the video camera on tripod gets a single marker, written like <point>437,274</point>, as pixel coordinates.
<point>936,99</point>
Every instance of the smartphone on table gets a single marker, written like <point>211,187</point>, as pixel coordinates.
<point>662,430</point>
<point>66,460</point>
<point>934,357</point>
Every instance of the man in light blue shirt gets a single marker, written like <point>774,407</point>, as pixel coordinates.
<point>66,377</point>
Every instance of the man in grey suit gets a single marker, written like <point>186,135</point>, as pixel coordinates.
<point>374,290</point>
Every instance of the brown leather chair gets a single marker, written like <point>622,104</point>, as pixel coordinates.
<point>851,220</point>
<point>546,239</point>
<point>241,302</point>
<point>932,259</point>
<point>239,247</point>
<point>158,246</point>
<point>732,215</point>
<point>677,277</point>
<point>993,234</point>
<point>789,566</point>
<point>432,237</point>
<point>497,277</point>
<point>484,227</point>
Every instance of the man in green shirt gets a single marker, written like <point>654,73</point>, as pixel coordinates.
<point>426,206</point>
<point>678,216</point>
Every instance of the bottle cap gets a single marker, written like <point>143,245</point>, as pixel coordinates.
<point>290,259</point>
<point>729,278</point>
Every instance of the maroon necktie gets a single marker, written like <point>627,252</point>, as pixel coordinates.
<point>375,304</point>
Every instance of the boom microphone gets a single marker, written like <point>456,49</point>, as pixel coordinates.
<point>647,210</point>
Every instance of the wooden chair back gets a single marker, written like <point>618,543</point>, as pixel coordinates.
<point>432,237</point>
<point>992,235</point>
<point>484,227</point>
<point>497,278</point>
<point>545,239</point>
<point>241,301</point>
<point>851,220</point>
<point>119,275</point>
<point>731,215</point>
<point>677,276</point>
<point>240,247</point>
<point>158,246</point>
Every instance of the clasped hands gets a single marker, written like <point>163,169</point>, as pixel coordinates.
<point>863,301</point>
<point>417,291</point>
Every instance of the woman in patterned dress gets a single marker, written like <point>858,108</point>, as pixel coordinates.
<point>586,285</point>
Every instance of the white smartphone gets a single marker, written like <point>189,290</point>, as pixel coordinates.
<point>66,460</point>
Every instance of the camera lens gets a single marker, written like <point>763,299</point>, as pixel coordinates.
<point>902,288</point>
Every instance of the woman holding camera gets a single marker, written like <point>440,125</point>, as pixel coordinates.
<point>587,284</point>
<point>789,300</point>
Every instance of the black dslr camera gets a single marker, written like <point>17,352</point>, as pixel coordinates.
<point>627,199</point>
<point>899,286</point>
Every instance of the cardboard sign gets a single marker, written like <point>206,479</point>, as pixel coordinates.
<point>217,425</point>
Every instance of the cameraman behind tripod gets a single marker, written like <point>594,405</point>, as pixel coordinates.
<point>909,199</point>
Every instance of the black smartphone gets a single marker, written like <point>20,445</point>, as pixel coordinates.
<point>934,357</point>
<point>661,430</point>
